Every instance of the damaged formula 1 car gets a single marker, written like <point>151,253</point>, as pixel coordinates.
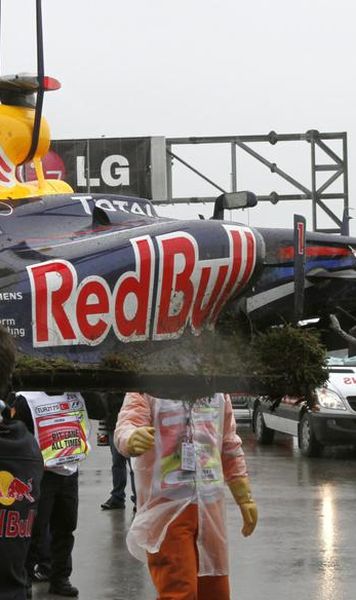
<point>102,287</point>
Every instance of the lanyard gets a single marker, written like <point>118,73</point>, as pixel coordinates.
<point>188,408</point>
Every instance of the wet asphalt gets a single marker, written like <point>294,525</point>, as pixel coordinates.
<point>304,546</point>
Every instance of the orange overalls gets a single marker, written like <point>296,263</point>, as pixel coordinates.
<point>180,524</point>
<point>177,561</point>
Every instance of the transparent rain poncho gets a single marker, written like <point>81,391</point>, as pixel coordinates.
<point>165,489</point>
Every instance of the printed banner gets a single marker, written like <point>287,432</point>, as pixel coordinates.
<point>61,427</point>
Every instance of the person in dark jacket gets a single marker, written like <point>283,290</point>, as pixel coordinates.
<point>58,507</point>
<point>112,405</point>
<point>21,470</point>
<point>105,406</point>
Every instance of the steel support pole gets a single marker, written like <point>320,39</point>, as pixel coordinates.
<point>233,168</point>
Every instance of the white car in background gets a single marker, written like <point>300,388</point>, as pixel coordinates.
<point>241,406</point>
<point>328,420</point>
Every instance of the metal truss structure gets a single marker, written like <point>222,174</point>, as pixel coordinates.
<point>318,194</point>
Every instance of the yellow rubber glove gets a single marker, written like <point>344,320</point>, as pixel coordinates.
<point>241,491</point>
<point>141,440</point>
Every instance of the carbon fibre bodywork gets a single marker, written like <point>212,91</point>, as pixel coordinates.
<point>82,276</point>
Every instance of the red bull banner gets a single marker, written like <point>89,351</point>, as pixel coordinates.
<point>62,427</point>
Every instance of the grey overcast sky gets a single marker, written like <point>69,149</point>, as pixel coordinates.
<point>198,67</point>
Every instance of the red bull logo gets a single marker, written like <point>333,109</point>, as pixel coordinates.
<point>13,489</point>
<point>13,526</point>
<point>190,292</point>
